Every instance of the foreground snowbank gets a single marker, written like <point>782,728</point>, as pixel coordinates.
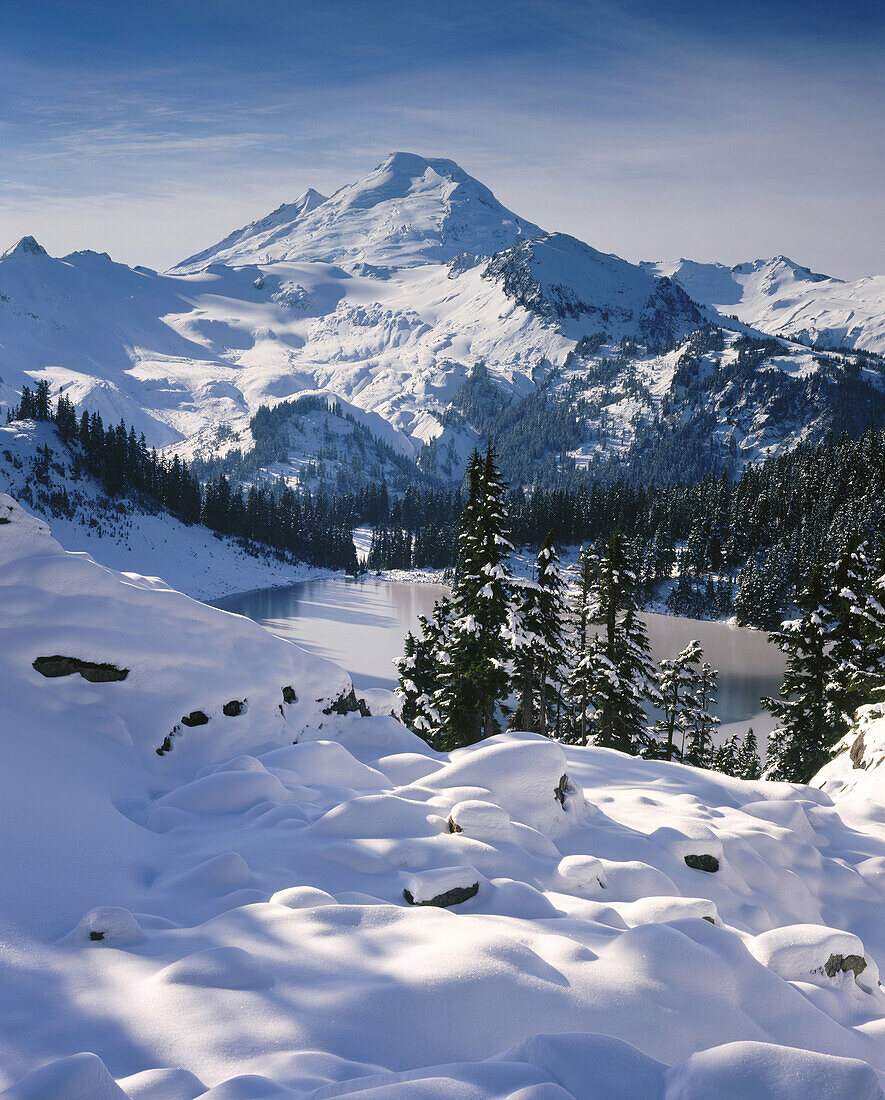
<point>294,903</point>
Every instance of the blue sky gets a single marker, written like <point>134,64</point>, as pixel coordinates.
<point>652,129</point>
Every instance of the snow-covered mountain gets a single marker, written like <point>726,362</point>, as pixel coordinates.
<point>409,210</point>
<point>388,296</point>
<point>221,879</point>
<point>781,297</point>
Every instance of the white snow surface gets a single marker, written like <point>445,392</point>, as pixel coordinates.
<point>780,296</point>
<point>228,919</point>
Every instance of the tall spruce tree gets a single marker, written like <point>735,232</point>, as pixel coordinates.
<point>677,684</point>
<point>806,727</point>
<point>582,637</point>
<point>536,634</point>
<point>620,673</point>
<point>475,677</point>
<point>702,722</point>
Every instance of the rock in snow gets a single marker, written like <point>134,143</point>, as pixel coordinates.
<point>316,904</point>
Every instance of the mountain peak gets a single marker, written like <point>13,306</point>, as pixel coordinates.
<point>408,210</point>
<point>27,246</point>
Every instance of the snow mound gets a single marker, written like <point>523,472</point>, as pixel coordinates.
<point>110,925</point>
<point>218,968</point>
<point>813,953</point>
<point>767,1072</point>
<point>527,778</point>
<point>80,1077</point>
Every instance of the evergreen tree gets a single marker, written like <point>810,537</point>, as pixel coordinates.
<point>748,765</point>
<point>677,682</point>
<point>535,633</point>
<point>857,656</point>
<point>702,722</point>
<point>806,729</point>
<point>475,677</point>
<point>579,682</point>
<point>620,673</point>
<point>419,673</point>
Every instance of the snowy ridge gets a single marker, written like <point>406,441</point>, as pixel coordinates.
<point>782,297</point>
<point>230,918</point>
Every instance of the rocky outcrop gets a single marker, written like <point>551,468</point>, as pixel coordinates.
<point>93,671</point>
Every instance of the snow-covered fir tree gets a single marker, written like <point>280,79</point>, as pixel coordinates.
<point>621,675</point>
<point>806,727</point>
<point>475,678</point>
<point>857,656</point>
<point>702,722</point>
<point>419,672</point>
<point>677,686</point>
<point>582,636</point>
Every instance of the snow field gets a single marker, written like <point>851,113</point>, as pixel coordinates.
<point>229,920</point>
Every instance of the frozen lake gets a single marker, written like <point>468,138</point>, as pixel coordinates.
<point>361,625</point>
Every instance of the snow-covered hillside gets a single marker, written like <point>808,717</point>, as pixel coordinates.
<point>292,900</point>
<point>118,533</point>
<point>783,298</point>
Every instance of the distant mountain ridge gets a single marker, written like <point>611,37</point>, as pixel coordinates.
<point>391,293</point>
<point>783,298</point>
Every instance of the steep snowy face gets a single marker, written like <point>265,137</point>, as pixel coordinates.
<point>409,210</point>
<point>257,238</point>
<point>782,297</point>
<point>566,281</point>
<point>27,246</point>
<point>858,768</point>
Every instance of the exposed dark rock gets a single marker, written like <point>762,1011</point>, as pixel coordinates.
<point>564,787</point>
<point>195,718</point>
<point>96,935</point>
<point>836,964</point>
<point>4,519</point>
<point>709,920</point>
<point>347,703</point>
<point>451,897</point>
<point>454,827</point>
<point>93,671</point>
<point>857,751</point>
<point>167,741</point>
<point>707,863</point>
<point>234,708</point>
<point>289,695</point>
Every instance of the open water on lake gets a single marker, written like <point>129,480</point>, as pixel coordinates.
<point>361,625</point>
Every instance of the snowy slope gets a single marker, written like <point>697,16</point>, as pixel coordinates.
<point>783,298</point>
<point>231,919</point>
<point>117,533</point>
<point>409,210</point>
